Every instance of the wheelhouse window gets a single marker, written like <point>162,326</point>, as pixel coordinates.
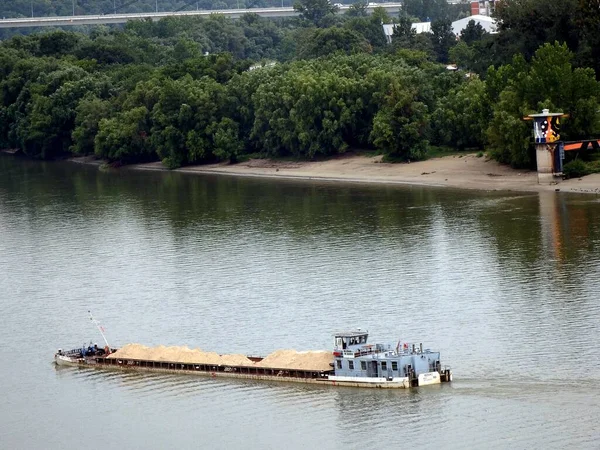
<point>363,365</point>
<point>394,365</point>
<point>351,365</point>
<point>383,365</point>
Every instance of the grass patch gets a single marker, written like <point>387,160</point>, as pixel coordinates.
<point>248,156</point>
<point>393,159</point>
<point>440,152</point>
<point>369,153</point>
<point>258,155</point>
<point>579,168</point>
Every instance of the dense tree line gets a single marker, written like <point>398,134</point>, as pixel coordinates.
<point>193,90</point>
<point>183,107</point>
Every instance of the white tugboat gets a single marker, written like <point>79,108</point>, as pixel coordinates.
<point>405,365</point>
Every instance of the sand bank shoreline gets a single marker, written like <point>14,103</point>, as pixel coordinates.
<point>457,171</point>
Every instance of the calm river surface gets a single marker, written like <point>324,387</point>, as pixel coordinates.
<point>505,285</point>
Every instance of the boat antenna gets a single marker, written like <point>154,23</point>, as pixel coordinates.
<point>100,328</point>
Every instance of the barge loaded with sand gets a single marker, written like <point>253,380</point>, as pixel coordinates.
<point>353,362</point>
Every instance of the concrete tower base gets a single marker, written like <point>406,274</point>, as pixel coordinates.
<point>545,157</point>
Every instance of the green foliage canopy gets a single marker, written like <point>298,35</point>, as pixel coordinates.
<point>191,90</point>
<point>550,81</point>
<point>317,12</point>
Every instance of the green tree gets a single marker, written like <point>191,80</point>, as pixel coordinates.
<point>124,137</point>
<point>327,41</point>
<point>401,126</point>
<point>589,18</point>
<point>240,101</point>
<point>442,39</point>
<point>472,32</point>
<point>462,55</point>
<point>182,120</point>
<point>380,15</point>
<point>224,36</point>
<point>462,116</point>
<point>357,9</point>
<point>320,106</point>
<point>403,30</point>
<point>263,36</point>
<point>218,66</point>
<point>508,135</point>
<point>186,49</point>
<point>50,114</point>
<point>315,11</point>
<point>88,114</point>
<point>227,142</point>
<point>370,28</point>
<point>528,24</point>
<point>57,43</point>
<point>108,50</point>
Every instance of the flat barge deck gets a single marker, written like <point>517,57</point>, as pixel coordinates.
<point>244,372</point>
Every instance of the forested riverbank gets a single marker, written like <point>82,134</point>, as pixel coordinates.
<point>189,90</point>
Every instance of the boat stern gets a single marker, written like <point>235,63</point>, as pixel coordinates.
<point>428,378</point>
<point>69,358</point>
<point>62,360</point>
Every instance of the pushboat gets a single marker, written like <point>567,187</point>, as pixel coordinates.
<point>353,362</point>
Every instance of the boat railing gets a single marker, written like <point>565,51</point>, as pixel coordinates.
<point>366,351</point>
<point>362,351</point>
<point>371,349</point>
<point>73,352</point>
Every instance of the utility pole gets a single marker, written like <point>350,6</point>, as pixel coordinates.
<point>31,8</point>
<point>73,1</point>
<point>156,5</point>
<point>115,6</point>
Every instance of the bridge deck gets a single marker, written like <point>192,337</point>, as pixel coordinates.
<point>122,18</point>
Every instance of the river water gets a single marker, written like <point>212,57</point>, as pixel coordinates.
<point>505,285</point>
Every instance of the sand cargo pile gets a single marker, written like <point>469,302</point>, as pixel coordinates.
<point>179,354</point>
<point>293,360</point>
<point>280,359</point>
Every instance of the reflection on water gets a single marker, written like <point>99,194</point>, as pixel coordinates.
<point>502,283</point>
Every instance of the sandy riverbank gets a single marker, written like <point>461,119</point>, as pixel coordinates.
<point>464,172</point>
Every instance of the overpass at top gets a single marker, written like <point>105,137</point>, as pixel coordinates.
<point>101,19</point>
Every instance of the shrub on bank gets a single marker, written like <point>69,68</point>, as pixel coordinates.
<point>576,168</point>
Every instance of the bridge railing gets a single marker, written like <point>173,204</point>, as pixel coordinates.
<point>42,8</point>
<point>95,19</point>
